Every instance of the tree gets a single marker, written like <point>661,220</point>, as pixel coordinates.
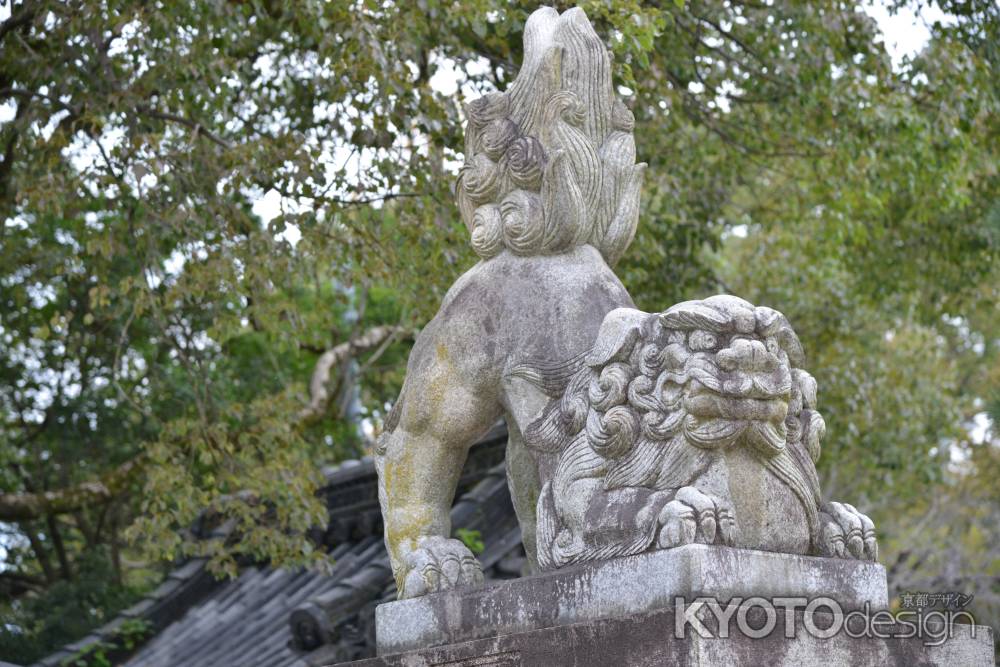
<point>159,337</point>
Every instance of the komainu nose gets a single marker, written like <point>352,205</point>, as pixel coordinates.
<point>746,355</point>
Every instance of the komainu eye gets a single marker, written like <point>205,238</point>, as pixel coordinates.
<point>702,340</point>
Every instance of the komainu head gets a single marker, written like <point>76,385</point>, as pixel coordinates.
<point>730,372</point>
<point>713,373</point>
<point>662,396</point>
<point>550,163</point>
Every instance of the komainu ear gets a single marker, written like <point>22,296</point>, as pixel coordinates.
<point>616,337</point>
<point>772,323</point>
<point>689,315</point>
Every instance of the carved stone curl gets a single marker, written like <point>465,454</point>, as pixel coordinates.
<point>627,431</point>
<point>560,134</point>
<point>700,427</point>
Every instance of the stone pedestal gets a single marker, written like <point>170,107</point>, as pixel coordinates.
<point>638,611</point>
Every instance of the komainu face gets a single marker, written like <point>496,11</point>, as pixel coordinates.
<point>718,376</point>
<point>672,415</point>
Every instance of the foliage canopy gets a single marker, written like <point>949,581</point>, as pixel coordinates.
<point>157,335</point>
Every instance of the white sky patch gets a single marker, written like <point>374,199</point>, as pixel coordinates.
<point>982,428</point>
<point>175,263</point>
<point>53,123</point>
<point>271,205</point>
<point>16,222</point>
<point>445,79</point>
<point>726,90</point>
<point>906,31</point>
<point>7,111</point>
<point>291,234</point>
<point>128,32</point>
<point>268,206</point>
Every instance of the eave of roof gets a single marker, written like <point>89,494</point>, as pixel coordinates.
<point>197,619</point>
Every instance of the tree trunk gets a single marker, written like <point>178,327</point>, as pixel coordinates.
<point>57,543</point>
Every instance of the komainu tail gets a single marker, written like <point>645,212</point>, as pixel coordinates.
<point>550,164</point>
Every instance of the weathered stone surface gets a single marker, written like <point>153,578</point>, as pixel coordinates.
<point>629,431</point>
<point>694,425</point>
<point>645,640</point>
<point>619,588</point>
<point>550,194</point>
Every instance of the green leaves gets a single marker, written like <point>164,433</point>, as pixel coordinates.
<point>471,539</point>
<point>202,198</point>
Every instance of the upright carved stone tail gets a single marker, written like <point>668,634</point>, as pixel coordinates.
<point>550,164</point>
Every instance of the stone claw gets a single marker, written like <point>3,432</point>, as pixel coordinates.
<point>870,548</point>
<point>677,525</point>
<point>439,564</point>
<point>847,533</point>
<point>727,524</point>
<point>693,516</point>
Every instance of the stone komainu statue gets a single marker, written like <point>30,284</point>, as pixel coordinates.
<point>627,431</point>
<point>692,425</point>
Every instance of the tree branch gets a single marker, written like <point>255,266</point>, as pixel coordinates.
<point>7,165</point>
<point>41,555</point>
<point>28,94</point>
<point>25,506</point>
<point>370,200</point>
<point>342,201</point>
<point>197,127</point>
<point>15,584</point>
<point>60,548</point>
<point>319,392</point>
<point>16,21</point>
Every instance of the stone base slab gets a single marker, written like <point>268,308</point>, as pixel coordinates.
<point>644,640</point>
<point>621,588</point>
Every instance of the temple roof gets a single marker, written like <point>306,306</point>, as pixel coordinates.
<point>278,617</point>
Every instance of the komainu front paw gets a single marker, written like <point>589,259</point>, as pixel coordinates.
<point>694,517</point>
<point>439,564</point>
<point>846,533</point>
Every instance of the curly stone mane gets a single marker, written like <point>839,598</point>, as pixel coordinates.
<point>659,392</point>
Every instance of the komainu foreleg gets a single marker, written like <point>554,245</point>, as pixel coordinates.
<point>696,517</point>
<point>439,563</point>
<point>846,533</point>
<point>441,411</point>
